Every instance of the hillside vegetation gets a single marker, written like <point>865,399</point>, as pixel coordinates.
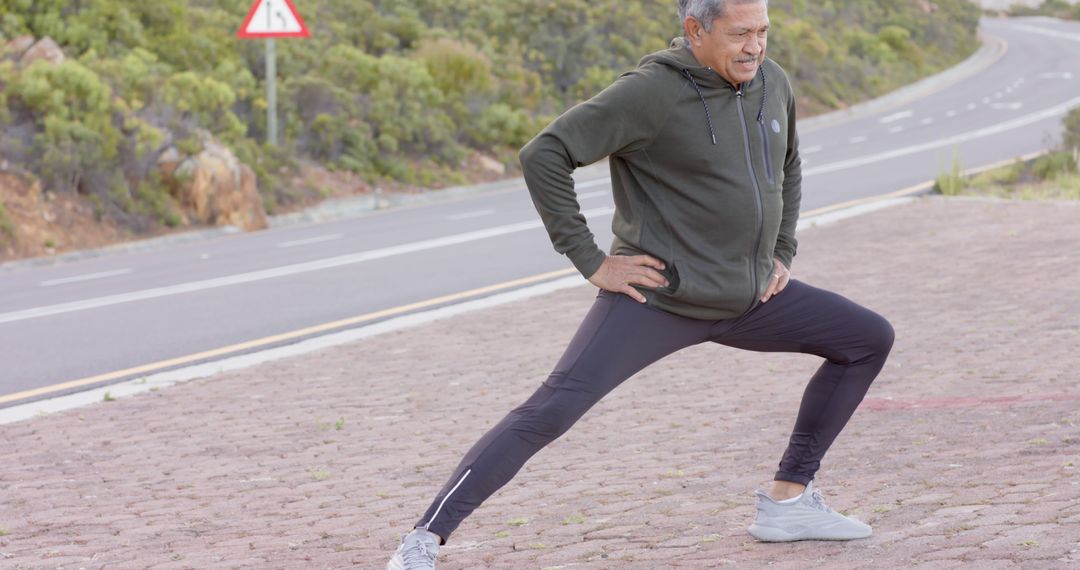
<point>387,90</point>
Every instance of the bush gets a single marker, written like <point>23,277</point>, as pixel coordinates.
<point>951,183</point>
<point>501,124</point>
<point>398,89</point>
<point>1053,165</point>
<point>458,68</point>
<point>203,101</point>
<point>1071,138</point>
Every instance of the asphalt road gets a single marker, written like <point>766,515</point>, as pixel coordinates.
<point>79,320</point>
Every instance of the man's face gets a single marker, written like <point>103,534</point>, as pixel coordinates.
<point>736,45</point>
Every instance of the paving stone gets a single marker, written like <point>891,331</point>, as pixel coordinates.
<point>959,456</point>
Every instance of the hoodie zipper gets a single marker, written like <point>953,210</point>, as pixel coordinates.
<point>757,197</point>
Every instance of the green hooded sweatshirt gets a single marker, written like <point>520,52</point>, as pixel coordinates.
<point>705,177</point>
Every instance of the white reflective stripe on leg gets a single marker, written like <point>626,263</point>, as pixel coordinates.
<point>443,502</point>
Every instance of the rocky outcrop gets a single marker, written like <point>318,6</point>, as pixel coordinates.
<point>216,187</point>
<point>44,50</point>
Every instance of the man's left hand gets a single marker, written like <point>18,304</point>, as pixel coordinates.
<point>777,281</point>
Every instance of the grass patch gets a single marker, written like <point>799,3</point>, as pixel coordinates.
<point>1054,176</point>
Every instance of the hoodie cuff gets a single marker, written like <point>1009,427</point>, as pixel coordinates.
<point>587,259</point>
<point>785,256</point>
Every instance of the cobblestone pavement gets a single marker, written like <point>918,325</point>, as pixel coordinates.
<point>964,454</point>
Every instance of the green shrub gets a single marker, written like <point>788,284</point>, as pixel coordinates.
<point>69,153</point>
<point>457,68</point>
<point>153,198</point>
<point>69,90</point>
<point>501,124</point>
<point>398,88</point>
<point>204,100</point>
<point>1071,138</point>
<point>1053,165</point>
<point>951,183</point>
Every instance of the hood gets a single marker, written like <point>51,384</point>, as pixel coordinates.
<point>679,57</point>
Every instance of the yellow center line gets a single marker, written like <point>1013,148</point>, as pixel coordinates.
<point>913,189</point>
<point>243,346</point>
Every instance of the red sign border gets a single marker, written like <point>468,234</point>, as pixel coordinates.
<point>303,33</point>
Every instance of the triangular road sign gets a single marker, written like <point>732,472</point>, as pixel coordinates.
<point>273,19</point>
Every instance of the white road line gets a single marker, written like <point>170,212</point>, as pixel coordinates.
<point>308,241</point>
<point>591,183</point>
<point>896,129</point>
<point>926,121</point>
<point>950,113</point>
<point>283,271</point>
<point>895,117</point>
<point>1016,123</point>
<point>971,107</point>
<point>86,277</point>
<point>1046,32</point>
<point>1056,75</point>
<point>986,100</point>
<point>597,194</point>
<point>1008,106</point>
<point>467,215</point>
<point>810,149</point>
<point>857,140</point>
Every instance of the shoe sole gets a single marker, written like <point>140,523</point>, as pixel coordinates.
<point>773,534</point>
<point>394,564</point>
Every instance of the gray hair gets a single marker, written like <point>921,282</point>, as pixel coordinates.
<point>706,11</point>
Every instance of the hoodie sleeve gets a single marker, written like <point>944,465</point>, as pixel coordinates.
<point>786,244</point>
<point>620,119</point>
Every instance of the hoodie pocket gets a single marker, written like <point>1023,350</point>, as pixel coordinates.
<point>766,152</point>
<point>716,289</point>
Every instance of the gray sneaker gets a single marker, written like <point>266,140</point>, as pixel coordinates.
<point>808,518</point>
<point>417,552</point>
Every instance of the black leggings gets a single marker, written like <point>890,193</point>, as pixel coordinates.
<point>620,336</point>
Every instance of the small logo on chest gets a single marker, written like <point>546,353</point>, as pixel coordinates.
<point>776,126</point>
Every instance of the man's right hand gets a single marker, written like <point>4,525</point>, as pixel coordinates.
<point>619,272</point>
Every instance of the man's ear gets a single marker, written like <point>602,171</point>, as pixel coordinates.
<point>693,29</point>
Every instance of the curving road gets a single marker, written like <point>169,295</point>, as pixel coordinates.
<point>83,322</point>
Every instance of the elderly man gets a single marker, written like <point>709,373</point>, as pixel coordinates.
<point>706,179</point>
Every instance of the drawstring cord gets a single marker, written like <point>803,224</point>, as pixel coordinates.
<point>708,115</point>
